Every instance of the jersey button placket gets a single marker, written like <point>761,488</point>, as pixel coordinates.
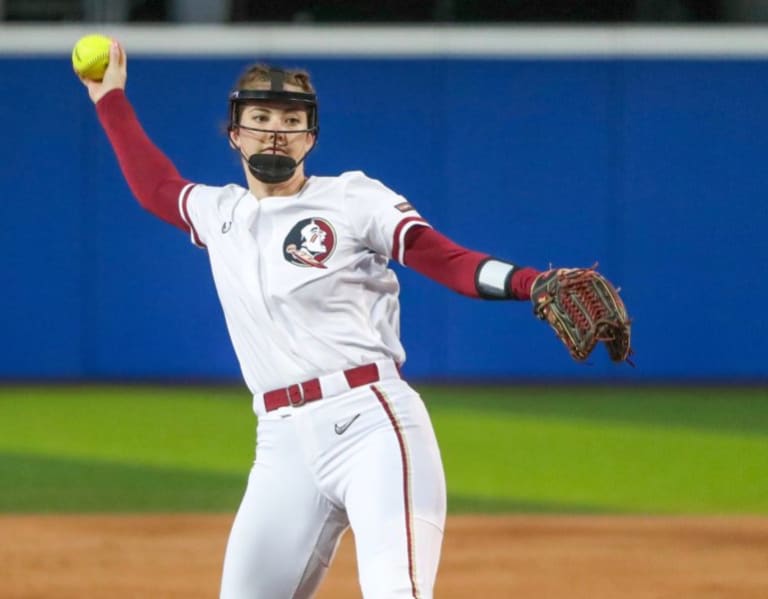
<point>261,232</point>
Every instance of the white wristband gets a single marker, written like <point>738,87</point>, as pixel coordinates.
<point>492,279</point>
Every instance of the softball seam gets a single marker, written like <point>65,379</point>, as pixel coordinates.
<point>91,63</point>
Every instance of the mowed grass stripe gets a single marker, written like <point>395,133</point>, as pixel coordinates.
<point>618,468</point>
<point>203,429</point>
<point>35,484</point>
<point>577,453</point>
<point>735,409</point>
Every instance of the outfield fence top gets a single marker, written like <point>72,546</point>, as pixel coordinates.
<point>401,41</point>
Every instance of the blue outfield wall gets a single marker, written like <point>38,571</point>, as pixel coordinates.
<point>654,168</point>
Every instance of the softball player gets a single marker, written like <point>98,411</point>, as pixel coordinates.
<point>300,266</point>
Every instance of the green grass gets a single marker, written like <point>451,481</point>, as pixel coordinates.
<point>199,429</point>
<point>505,449</point>
<point>43,484</point>
<point>646,450</point>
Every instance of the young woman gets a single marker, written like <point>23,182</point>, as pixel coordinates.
<point>300,266</point>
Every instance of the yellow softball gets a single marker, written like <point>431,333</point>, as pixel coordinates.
<point>90,56</point>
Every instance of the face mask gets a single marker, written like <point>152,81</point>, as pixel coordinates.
<point>266,167</point>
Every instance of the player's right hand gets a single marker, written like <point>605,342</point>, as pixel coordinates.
<point>114,77</point>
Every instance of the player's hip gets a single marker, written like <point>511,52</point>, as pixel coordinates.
<point>340,423</point>
<point>316,394</point>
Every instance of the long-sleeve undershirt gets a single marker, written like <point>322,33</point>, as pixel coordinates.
<point>435,256</point>
<point>152,177</point>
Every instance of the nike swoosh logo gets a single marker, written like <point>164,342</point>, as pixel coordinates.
<point>342,428</point>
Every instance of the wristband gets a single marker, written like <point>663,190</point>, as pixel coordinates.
<point>493,277</point>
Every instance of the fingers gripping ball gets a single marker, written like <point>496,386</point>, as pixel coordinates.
<point>584,309</point>
<point>90,56</point>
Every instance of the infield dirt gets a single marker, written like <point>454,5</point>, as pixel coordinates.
<point>175,556</point>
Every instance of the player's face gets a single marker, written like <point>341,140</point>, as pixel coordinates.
<point>313,238</point>
<point>276,122</point>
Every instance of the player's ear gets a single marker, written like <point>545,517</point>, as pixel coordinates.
<point>234,138</point>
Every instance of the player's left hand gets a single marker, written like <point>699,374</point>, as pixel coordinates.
<point>583,308</point>
<point>115,76</point>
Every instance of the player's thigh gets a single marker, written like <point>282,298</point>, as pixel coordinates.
<point>284,535</point>
<point>395,572</point>
<point>396,500</point>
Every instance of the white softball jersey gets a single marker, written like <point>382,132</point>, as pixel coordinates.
<point>303,280</point>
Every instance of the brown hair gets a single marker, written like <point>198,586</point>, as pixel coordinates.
<point>258,74</point>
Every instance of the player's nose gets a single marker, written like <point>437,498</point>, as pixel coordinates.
<point>274,132</point>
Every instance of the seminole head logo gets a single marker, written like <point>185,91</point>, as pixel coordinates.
<point>310,243</point>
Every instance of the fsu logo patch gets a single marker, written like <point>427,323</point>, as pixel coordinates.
<point>310,243</point>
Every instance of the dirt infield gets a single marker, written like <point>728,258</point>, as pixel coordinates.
<point>175,556</point>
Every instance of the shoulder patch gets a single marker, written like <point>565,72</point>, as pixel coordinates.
<point>404,207</point>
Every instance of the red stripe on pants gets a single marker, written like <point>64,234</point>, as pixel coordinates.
<point>406,486</point>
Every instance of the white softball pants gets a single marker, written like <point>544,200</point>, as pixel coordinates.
<point>382,476</point>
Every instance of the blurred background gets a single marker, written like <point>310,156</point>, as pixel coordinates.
<point>568,11</point>
<point>632,134</point>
